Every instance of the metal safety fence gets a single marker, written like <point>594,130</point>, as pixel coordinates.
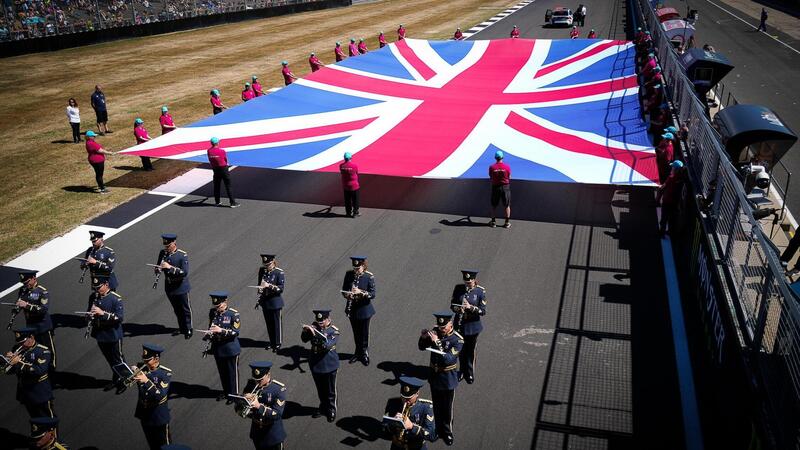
<point>765,311</point>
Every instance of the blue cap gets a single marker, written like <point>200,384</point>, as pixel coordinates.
<point>312,54</point>
<point>138,121</point>
<point>469,274</point>
<point>267,257</point>
<point>41,425</point>
<point>214,140</point>
<point>499,154</point>
<point>218,297</point>
<point>671,129</point>
<point>99,280</point>
<point>348,156</point>
<point>321,314</point>
<point>285,63</point>
<point>95,234</point>
<point>338,44</point>
<point>215,91</point>
<point>166,238</point>
<point>90,133</point>
<point>358,260</point>
<point>676,164</point>
<point>260,369</point>
<point>164,109</point>
<point>657,69</point>
<point>254,78</point>
<point>20,334</point>
<point>151,351</point>
<point>442,317</point>
<point>25,275</point>
<point>410,386</point>
<point>668,136</point>
<point>352,39</point>
<point>247,85</point>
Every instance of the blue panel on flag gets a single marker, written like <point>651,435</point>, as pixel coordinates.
<point>451,51</point>
<point>522,169</point>
<point>381,62</point>
<point>565,48</point>
<point>293,100</point>
<point>614,66</point>
<point>275,157</point>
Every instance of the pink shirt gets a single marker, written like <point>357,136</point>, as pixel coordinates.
<point>141,134</point>
<point>573,34</point>
<point>339,54</point>
<point>166,121</point>
<point>500,173</point>
<point>664,151</point>
<point>248,94</point>
<point>216,102</point>
<point>382,40</point>
<point>401,33</point>
<point>352,49</point>
<point>362,47</point>
<point>592,35</point>
<point>93,149</point>
<point>349,171</point>
<point>257,89</point>
<point>315,63</point>
<point>649,66</point>
<point>515,33</point>
<point>217,157</point>
<point>287,75</point>
<point>458,35</point>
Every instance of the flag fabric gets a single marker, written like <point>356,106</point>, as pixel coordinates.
<point>560,110</point>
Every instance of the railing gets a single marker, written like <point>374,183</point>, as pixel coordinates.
<point>766,313</point>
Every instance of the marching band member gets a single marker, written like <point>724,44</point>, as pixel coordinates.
<point>31,362</point>
<point>223,326</point>
<point>469,304</point>
<point>151,409</point>
<point>34,301</point>
<point>324,361</point>
<point>446,344</point>
<point>416,414</point>
<point>44,434</point>
<point>267,399</point>
<point>358,288</point>
<point>272,280</point>
<point>105,326</point>
<point>100,259</point>
<point>174,264</point>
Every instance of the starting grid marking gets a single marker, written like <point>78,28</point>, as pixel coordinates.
<point>498,17</point>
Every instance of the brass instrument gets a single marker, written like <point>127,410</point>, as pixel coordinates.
<point>242,410</point>
<point>406,412</point>
<point>7,366</point>
<point>142,367</point>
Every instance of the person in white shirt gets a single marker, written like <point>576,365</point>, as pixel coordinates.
<point>74,116</point>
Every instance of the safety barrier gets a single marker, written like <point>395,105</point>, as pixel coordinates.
<point>764,312</point>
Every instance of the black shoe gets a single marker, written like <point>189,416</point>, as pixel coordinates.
<point>356,214</point>
<point>268,347</point>
<point>448,440</point>
<point>221,397</point>
<point>176,332</point>
<point>460,375</point>
<point>470,380</point>
<point>355,358</point>
<point>316,414</point>
<point>365,358</point>
<point>109,386</point>
<point>235,205</point>
<point>275,348</point>
<point>331,416</point>
<point>121,388</point>
<point>188,334</point>
<point>492,223</point>
<point>228,402</point>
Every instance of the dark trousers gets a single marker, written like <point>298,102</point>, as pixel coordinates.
<point>47,340</point>
<point>146,164</point>
<point>668,211</point>
<point>326,391</point>
<point>156,435</point>
<point>182,309</point>
<point>112,352</point>
<point>351,202</point>
<point>272,317</point>
<point>443,411</point>
<point>40,409</point>
<point>360,334</point>
<point>76,131</point>
<point>762,26</point>
<point>98,173</point>
<point>228,368</point>
<point>791,249</point>
<point>221,175</point>
<point>466,357</point>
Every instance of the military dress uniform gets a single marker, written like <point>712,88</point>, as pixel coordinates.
<point>420,413</point>
<point>106,329</point>
<point>266,428</point>
<point>225,345</point>
<point>468,321</point>
<point>151,407</point>
<point>106,259</point>
<point>324,362</point>
<point>271,301</point>
<point>33,380</point>
<point>359,309</point>
<point>37,314</point>
<point>44,434</point>
<point>443,374</point>
<point>176,283</point>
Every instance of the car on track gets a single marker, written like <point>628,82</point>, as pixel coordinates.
<point>559,17</point>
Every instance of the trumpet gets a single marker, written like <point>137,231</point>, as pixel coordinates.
<point>14,313</point>
<point>244,411</point>
<point>406,412</point>
<point>140,368</point>
<point>7,366</point>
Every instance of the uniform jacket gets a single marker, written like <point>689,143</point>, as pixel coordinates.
<point>106,258</point>
<point>420,414</point>
<point>226,343</point>
<point>266,429</point>
<point>176,279</point>
<point>152,407</point>
<point>33,384</point>
<point>272,298</point>
<point>444,375</point>
<point>37,313</point>
<point>469,323</point>
<point>362,305</point>
<point>324,358</point>
<point>108,327</point>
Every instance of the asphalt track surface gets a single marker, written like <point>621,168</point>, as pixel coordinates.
<point>576,351</point>
<point>765,71</point>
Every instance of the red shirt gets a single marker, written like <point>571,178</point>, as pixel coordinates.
<point>515,33</point>
<point>401,33</point>
<point>248,94</point>
<point>257,89</point>
<point>362,47</point>
<point>141,134</point>
<point>664,151</point>
<point>287,75</point>
<point>315,63</point>
<point>339,53</point>
<point>217,157</point>
<point>382,40</point>
<point>573,34</point>
<point>216,102</point>
<point>592,35</point>
<point>166,121</point>
<point>349,171</point>
<point>352,49</point>
<point>458,35</point>
<point>93,149</point>
<point>500,173</point>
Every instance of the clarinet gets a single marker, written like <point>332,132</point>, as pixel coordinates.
<point>349,306</point>
<point>158,273</point>
<point>83,273</point>
<point>89,318</point>
<point>209,337</point>
<point>14,313</point>
<point>260,291</point>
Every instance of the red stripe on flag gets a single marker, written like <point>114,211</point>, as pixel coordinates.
<point>565,62</point>
<point>177,149</point>
<point>569,92</point>
<point>640,161</point>
<point>412,58</point>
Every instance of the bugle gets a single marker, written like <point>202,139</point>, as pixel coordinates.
<point>141,367</point>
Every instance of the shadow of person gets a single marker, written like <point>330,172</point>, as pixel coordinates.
<point>62,141</point>
<point>323,213</point>
<point>79,189</point>
<point>298,354</point>
<point>13,440</point>
<point>195,203</point>
<point>178,389</point>
<point>294,409</point>
<point>363,428</point>
<point>72,381</point>
<point>141,329</point>
<point>403,368</point>
<point>463,222</point>
<point>251,343</point>
<point>68,321</point>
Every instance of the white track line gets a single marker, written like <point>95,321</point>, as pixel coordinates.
<point>495,19</point>
<point>756,28</point>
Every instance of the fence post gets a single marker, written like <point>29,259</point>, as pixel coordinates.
<point>761,319</point>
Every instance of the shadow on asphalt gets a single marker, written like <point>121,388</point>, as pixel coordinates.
<point>149,329</point>
<point>179,389</point>
<point>13,440</point>
<point>402,368</point>
<point>294,409</point>
<point>74,381</point>
<point>363,428</point>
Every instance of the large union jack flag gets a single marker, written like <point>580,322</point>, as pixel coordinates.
<point>563,110</point>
